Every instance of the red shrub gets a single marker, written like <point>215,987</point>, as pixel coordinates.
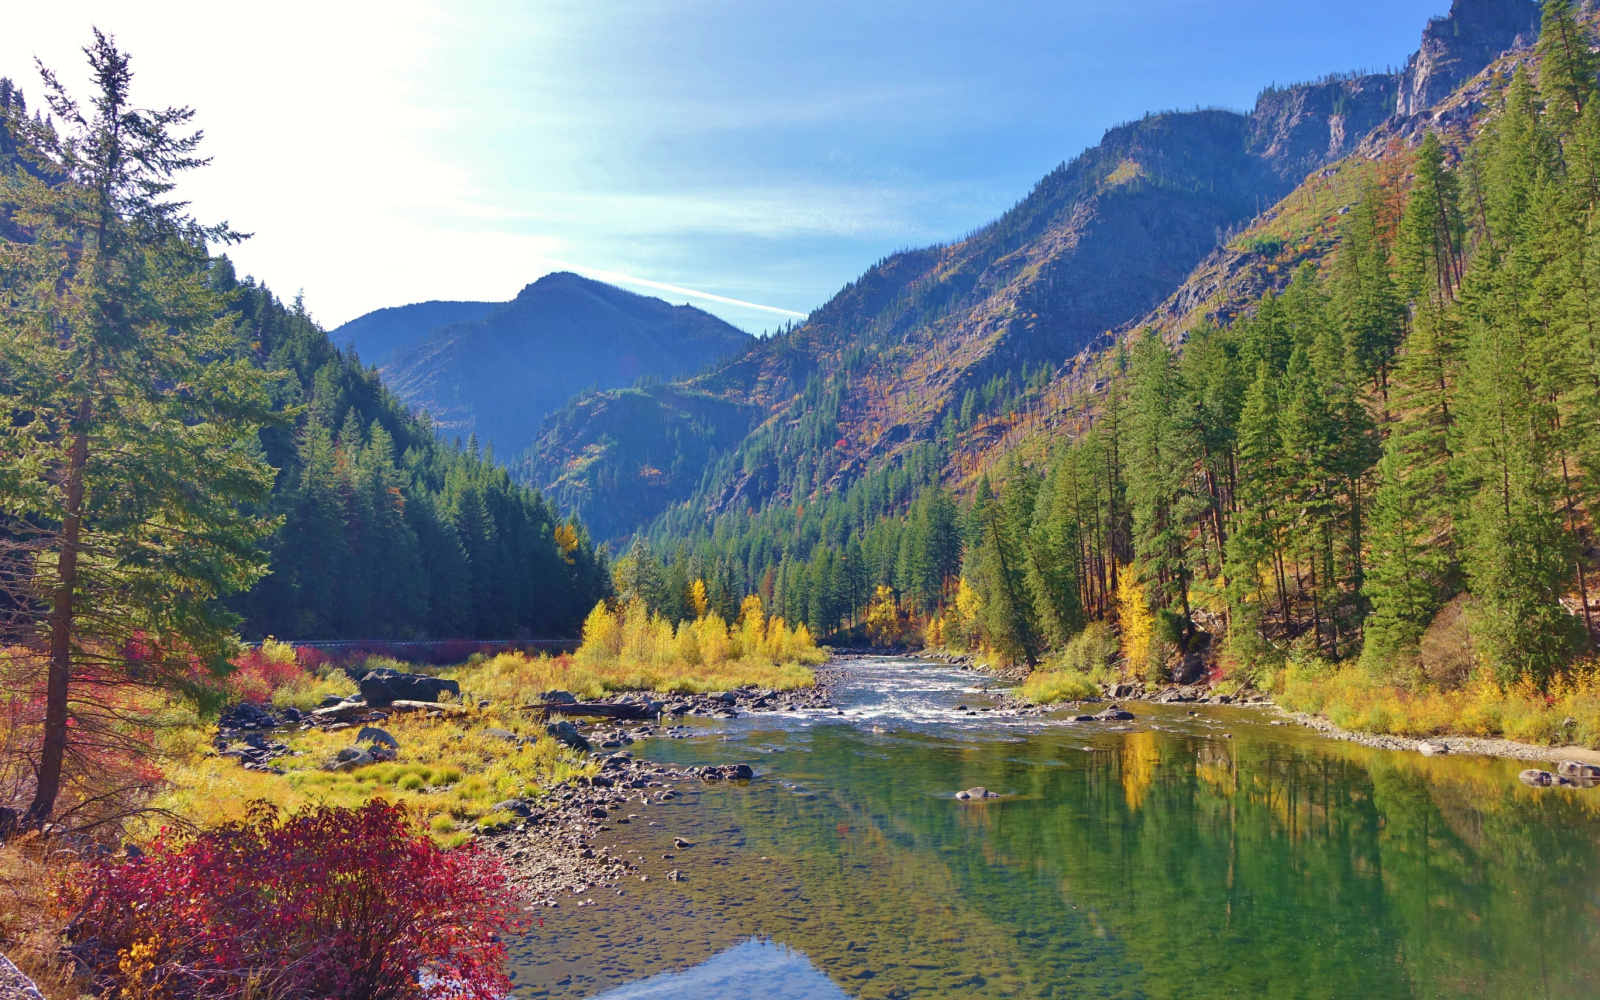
<point>326,903</point>
<point>263,669</point>
<point>311,658</point>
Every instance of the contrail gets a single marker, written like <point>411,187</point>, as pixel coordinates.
<point>628,279</point>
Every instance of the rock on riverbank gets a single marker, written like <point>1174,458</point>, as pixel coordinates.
<point>554,848</point>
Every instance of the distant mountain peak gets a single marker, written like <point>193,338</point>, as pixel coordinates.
<point>496,369</point>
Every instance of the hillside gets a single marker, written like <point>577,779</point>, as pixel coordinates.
<point>1169,216</point>
<point>499,370</point>
<point>380,333</point>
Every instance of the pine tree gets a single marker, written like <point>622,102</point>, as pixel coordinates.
<point>130,457</point>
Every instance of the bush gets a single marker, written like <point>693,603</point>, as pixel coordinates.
<point>326,902</point>
<point>1046,687</point>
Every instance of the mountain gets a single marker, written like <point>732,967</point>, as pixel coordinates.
<point>1458,46</point>
<point>381,332</point>
<point>1099,242</point>
<point>497,374</point>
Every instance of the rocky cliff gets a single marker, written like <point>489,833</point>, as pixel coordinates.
<point>1459,45</point>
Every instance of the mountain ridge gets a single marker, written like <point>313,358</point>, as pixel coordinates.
<point>497,374</point>
<point>1100,245</point>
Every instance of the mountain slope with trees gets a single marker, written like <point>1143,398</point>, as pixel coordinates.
<point>1380,452</point>
<point>499,373</point>
<point>920,347</point>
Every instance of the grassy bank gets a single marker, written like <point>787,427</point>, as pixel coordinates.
<point>1566,713</point>
<point>448,772</point>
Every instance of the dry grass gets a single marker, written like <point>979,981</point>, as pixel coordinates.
<point>449,772</point>
<point>32,918</point>
<point>1352,699</point>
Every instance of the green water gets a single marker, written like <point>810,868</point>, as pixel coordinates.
<point>1193,857</point>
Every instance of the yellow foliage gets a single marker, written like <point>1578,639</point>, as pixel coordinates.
<point>705,654</point>
<point>1136,620</point>
<point>960,625</point>
<point>1046,687</point>
<point>448,772</point>
<point>883,618</point>
<point>1352,699</point>
<point>697,598</point>
<point>933,635</point>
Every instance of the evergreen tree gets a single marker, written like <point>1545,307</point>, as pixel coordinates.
<point>128,464</point>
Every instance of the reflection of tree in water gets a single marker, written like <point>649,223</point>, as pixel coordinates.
<point>1159,865</point>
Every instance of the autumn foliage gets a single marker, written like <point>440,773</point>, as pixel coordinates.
<point>324,902</point>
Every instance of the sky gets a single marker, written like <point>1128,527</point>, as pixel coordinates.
<point>749,156</point>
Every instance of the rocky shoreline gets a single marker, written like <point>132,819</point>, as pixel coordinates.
<point>553,850</point>
<point>1438,745</point>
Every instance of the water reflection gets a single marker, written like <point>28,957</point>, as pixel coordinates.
<point>1208,856</point>
<point>755,970</point>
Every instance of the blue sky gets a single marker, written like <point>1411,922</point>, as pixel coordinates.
<point>758,151</point>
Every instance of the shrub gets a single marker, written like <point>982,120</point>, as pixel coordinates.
<point>1091,651</point>
<point>263,669</point>
<point>325,902</point>
<point>1045,687</point>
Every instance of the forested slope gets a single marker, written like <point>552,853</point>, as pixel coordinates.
<point>387,530</point>
<point>1385,412</point>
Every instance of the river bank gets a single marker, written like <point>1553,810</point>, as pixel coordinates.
<point>1204,694</point>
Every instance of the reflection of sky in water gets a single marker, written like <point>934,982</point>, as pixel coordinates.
<point>754,970</point>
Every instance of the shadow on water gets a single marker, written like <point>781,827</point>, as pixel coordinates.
<point>1206,856</point>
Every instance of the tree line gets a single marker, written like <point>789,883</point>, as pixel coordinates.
<point>1411,422</point>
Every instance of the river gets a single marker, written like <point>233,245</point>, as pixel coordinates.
<point>1180,855</point>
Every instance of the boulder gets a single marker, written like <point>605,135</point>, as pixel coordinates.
<point>567,734</point>
<point>372,734</point>
<point>382,686</point>
<point>977,792</point>
<point>727,698</point>
<point>1429,749</point>
<point>1114,714</point>
<point>1537,778</point>
<point>495,732</point>
<point>517,806</point>
<point>558,698</point>
<point>349,759</point>
<point>1577,769</point>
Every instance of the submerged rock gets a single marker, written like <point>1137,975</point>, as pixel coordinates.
<point>977,792</point>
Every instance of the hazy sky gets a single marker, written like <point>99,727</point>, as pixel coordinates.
<point>759,151</point>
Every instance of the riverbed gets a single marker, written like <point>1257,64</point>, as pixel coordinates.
<point>1191,853</point>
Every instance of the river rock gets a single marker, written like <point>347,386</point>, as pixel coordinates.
<point>372,734</point>
<point>1541,779</point>
<point>1114,714</point>
<point>977,792</point>
<point>1428,749</point>
<point>558,698</point>
<point>495,732</point>
<point>567,734</point>
<point>382,686</point>
<point>1577,769</point>
<point>349,759</point>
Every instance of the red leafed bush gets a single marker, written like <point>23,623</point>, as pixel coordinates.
<point>323,903</point>
<point>263,669</point>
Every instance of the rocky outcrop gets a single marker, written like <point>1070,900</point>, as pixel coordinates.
<point>1457,47</point>
<point>1303,128</point>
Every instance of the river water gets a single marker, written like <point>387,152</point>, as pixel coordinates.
<point>1182,856</point>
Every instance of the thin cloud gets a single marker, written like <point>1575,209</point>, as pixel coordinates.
<point>628,279</point>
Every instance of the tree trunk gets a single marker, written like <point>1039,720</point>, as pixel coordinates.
<point>54,753</point>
